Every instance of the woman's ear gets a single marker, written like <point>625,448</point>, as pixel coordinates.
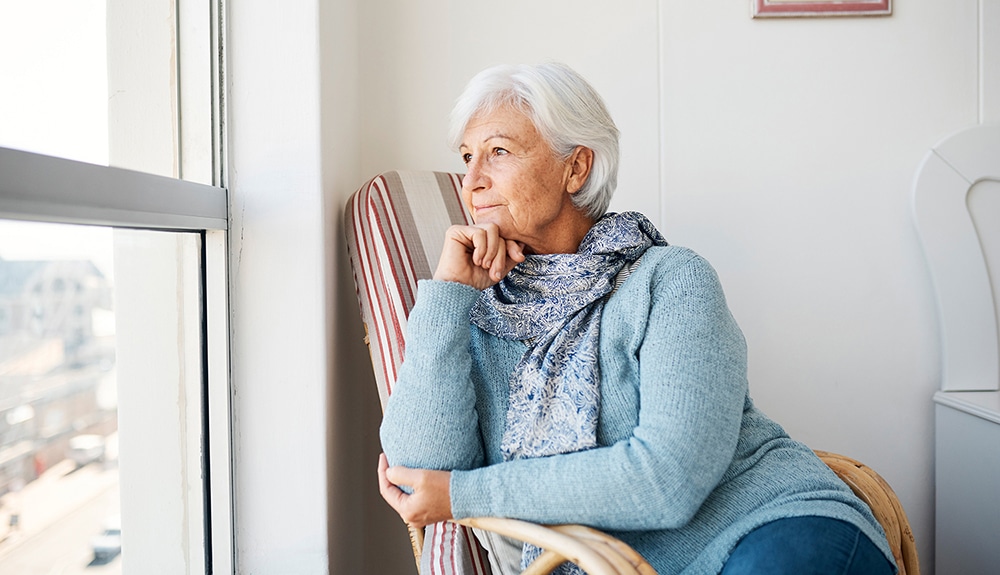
<point>578,166</point>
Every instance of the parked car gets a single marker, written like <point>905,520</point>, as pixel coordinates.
<point>84,449</point>
<point>109,543</point>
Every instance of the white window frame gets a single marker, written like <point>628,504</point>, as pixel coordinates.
<point>41,188</point>
<point>35,187</point>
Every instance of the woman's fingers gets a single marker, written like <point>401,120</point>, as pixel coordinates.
<point>510,254</point>
<point>513,255</point>
<point>477,256</point>
<point>488,244</point>
<point>403,475</point>
<point>485,239</point>
<point>393,495</point>
<point>515,251</point>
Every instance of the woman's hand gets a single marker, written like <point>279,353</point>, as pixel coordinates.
<point>430,501</point>
<point>477,256</point>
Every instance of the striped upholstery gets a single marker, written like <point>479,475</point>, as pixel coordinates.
<point>395,230</point>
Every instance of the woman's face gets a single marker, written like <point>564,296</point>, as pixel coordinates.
<point>517,182</point>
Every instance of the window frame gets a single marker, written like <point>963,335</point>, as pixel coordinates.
<point>40,188</point>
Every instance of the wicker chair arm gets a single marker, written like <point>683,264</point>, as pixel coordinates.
<point>595,552</point>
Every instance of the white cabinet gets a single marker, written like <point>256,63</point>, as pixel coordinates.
<point>967,482</point>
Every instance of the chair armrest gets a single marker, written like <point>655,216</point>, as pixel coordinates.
<point>871,488</point>
<point>602,541</point>
<point>593,551</point>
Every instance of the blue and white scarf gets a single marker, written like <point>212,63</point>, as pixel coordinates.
<point>554,304</point>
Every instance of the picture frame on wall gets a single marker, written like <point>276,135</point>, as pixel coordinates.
<point>799,8</point>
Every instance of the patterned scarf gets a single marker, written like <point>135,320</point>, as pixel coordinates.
<point>554,303</point>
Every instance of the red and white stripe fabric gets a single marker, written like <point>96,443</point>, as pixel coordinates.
<point>395,227</point>
<point>452,549</point>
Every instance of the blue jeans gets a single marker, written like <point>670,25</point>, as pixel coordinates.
<point>807,546</point>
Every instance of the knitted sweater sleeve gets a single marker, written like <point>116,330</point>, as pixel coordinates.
<point>692,387</point>
<point>430,420</point>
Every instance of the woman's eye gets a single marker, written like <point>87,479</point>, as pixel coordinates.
<point>466,158</point>
<point>500,152</point>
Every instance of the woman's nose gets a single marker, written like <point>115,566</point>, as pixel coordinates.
<point>475,177</point>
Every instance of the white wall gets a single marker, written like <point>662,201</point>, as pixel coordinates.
<point>305,407</point>
<point>277,251</point>
<point>365,535</point>
<point>417,57</point>
<point>789,159</point>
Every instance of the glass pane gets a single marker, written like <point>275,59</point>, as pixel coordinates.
<point>99,334</point>
<point>58,401</point>
<point>53,69</point>
<point>109,82</point>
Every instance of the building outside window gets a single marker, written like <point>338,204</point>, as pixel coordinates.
<point>59,482</point>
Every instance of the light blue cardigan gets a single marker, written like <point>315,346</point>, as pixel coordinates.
<point>686,465</point>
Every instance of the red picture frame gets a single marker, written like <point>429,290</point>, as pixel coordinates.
<point>786,8</point>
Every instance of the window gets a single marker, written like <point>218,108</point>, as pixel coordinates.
<point>53,64</point>
<point>125,356</point>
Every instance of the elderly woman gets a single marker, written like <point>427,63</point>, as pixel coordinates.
<point>566,365</point>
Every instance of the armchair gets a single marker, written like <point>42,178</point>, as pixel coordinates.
<point>395,228</point>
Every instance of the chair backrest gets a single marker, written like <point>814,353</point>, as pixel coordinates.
<point>395,230</point>
<point>395,227</point>
<point>958,248</point>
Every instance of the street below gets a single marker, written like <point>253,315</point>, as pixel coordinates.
<point>58,516</point>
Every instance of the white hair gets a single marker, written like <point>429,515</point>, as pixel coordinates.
<point>566,111</point>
